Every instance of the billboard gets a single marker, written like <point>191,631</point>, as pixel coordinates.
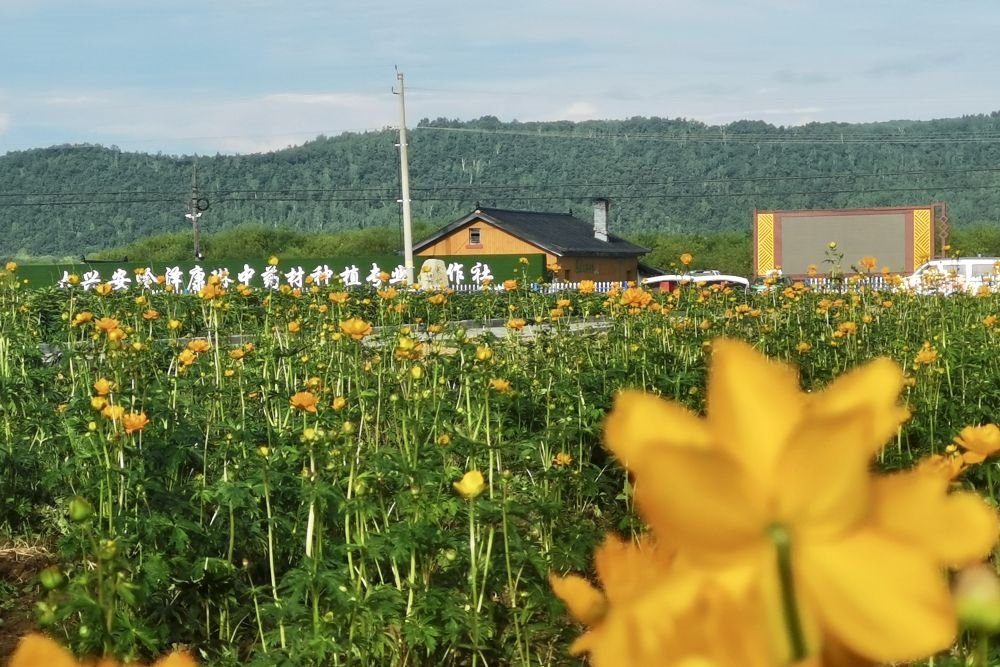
<point>899,238</point>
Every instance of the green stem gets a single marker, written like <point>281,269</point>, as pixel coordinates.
<point>782,540</point>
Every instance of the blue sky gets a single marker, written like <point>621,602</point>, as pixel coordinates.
<point>229,76</point>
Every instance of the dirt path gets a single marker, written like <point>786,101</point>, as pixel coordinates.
<point>19,566</point>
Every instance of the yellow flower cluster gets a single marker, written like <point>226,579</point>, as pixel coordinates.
<point>36,650</point>
<point>771,541</point>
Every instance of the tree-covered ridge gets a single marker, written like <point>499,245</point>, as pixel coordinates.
<point>662,176</point>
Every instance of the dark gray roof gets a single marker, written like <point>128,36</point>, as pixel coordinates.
<point>558,233</point>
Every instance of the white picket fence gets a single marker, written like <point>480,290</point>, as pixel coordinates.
<point>602,287</point>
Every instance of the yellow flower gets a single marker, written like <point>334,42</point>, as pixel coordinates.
<point>437,299</point>
<point>774,485</point>
<point>562,459</point>
<point>339,403</point>
<point>926,356</point>
<point>868,263</point>
<point>173,325</point>
<point>339,297</point>
<point>516,324</point>
<point>106,324</point>
<point>82,318</point>
<point>98,402</point>
<point>989,321</point>
<point>113,412</point>
<point>35,650</point>
<point>116,335</point>
<point>803,347</point>
<point>483,353</point>
<point>134,422</point>
<point>103,289</point>
<point>811,271</point>
<point>847,328</point>
<point>199,345</point>
<point>499,385</point>
<point>186,357</point>
<point>212,290</point>
<point>294,326</point>
<point>11,266</point>
<point>237,354</point>
<point>103,386</point>
<point>586,287</point>
<point>387,294</point>
<point>471,484</point>
<point>979,442</point>
<point>304,400</point>
<point>272,260</point>
<point>150,315</point>
<point>636,298</point>
<point>510,285</point>
<point>356,328</point>
<point>686,258</point>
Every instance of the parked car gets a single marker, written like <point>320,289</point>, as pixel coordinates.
<point>950,275</point>
<point>671,281</point>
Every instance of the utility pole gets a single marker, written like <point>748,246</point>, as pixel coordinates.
<point>404,171</point>
<point>197,206</point>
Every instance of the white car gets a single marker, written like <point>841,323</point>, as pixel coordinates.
<point>669,282</point>
<point>947,276</point>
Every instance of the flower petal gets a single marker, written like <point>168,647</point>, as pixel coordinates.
<point>754,404</point>
<point>955,529</point>
<point>874,386</point>
<point>641,421</point>
<point>879,597</point>
<point>698,501</point>
<point>584,602</point>
<point>824,476</point>
<point>35,649</point>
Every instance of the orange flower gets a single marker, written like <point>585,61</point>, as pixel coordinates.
<point>150,315</point>
<point>186,357</point>
<point>978,442</point>
<point>926,356</point>
<point>516,324</point>
<point>212,290</point>
<point>586,287</point>
<point>83,317</point>
<point>37,650</point>
<point>387,294</point>
<point>437,299</point>
<point>562,459</point>
<point>356,328</point>
<point>199,345</point>
<point>237,354</point>
<point>686,259</point>
<point>103,386</point>
<point>106,324</point>
<point>868,263</point>
<point>339,297</point>
<point>510,285</point>
<point>304,400</point>
<point>116,335</point>
<point>134,421</point>
<point>636,298</point>
<point>294,326</point>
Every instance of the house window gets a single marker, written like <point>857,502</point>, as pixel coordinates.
<point>475,236</point>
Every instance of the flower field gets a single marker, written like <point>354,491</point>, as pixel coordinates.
<point>373,477</point>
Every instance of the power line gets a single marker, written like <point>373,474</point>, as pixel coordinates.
<point>726,138</point>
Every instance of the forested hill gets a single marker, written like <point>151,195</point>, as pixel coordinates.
<point>661,175</point>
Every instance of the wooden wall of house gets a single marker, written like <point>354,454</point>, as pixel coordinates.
<point>574,269</point>
<point>494,241</point>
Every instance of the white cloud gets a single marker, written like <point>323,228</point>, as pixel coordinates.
<point>577,111</point>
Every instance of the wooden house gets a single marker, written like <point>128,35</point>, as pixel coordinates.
<point>580,250</point>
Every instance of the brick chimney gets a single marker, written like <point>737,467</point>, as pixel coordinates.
<point>601,219</point>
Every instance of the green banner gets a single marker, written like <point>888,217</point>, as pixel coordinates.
<point>258,273</point>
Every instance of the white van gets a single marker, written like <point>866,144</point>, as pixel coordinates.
<point>950,275</point>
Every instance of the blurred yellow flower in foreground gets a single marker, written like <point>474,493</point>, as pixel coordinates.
<point>770,508</point>
<point>471,484</point>
<point>36,650</point>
